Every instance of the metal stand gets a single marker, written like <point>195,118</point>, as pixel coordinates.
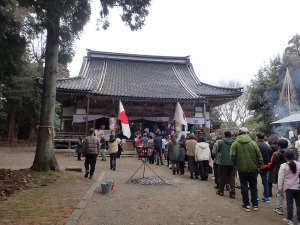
<point>144,160</point>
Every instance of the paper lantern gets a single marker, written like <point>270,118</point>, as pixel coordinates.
<point>178,126</point>
<point>112,123</point>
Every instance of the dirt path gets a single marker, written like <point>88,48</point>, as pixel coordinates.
<point>183,201</point>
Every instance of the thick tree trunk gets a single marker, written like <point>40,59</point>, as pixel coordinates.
<point>44,156</point>
<point>12,120</point>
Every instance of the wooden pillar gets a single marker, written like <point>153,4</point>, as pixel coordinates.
<point>61,115</point>
<point>204,114</point>
<point>87,115</point>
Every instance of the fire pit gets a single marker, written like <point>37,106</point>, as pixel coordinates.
<point>149,181</point>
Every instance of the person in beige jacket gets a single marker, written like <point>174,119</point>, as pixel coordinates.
<point>190,152</point>
<point>113,144</point>
<point>91,149</point>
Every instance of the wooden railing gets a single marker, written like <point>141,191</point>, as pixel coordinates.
<point>60,135</point>
<point>68,137</point>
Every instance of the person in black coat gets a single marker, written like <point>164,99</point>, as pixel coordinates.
<point>158,149</point>
<point>265,151</point>
<point>79,148</point>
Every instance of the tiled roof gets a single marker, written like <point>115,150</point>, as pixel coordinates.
<point>141,76</point>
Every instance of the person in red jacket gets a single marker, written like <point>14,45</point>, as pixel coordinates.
<point>276,160</point>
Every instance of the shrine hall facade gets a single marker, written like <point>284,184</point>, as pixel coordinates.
<point>148,86</point>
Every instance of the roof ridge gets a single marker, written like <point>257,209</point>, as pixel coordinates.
<point>138,57</point>
<point>224,88</point>
<point>194,76</point>
<point>183,83</point>
<point>102,79</point>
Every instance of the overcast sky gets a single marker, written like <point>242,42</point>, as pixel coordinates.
<point>226,39</point>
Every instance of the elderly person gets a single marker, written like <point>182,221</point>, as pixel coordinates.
<point>246,156</point>
<point>90,151</point>
<point>190,152</point>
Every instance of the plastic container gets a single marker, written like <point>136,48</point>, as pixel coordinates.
<point>106,188</point>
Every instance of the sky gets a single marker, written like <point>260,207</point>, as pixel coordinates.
<point>227,40</point>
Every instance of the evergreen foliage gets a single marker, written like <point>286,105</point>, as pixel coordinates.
<point>263,95</point>
<point>216,122</point>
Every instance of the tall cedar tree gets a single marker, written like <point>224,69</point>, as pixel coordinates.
<point>264,94</point>
<point>12,48</point>
<point>64,21</point>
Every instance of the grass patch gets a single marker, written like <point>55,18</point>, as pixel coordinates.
<point>31,204</point>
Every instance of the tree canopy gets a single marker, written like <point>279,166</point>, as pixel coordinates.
<point>63,21</point>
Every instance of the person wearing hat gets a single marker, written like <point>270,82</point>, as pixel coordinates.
<point>144,139</point>
<point>90,151</point>
<point>246,156</point>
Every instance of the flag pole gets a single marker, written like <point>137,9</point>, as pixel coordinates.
<point>118,121</point>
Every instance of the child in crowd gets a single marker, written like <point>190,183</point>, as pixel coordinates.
<point>288,182</point>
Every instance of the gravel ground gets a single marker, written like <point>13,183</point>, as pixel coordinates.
<point>180,201</point>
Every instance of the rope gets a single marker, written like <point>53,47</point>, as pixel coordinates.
<point>50,128</point>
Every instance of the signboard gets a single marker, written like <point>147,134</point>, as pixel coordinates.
<point>195,120</point>
<point>106,133</point>
<point>83,118</point>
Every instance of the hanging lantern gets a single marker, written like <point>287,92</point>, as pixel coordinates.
<point>178,126</point>
<point>112,123</point>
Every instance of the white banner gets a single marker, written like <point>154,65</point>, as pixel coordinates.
<point>83,118</point>
<point>195,120</point>
<point>158,118</point>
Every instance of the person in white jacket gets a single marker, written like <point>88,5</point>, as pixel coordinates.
<point>202,157</point>
<point>288,182</point>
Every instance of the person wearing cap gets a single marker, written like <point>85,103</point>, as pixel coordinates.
<point>90,151</point>
<point>247,158</point>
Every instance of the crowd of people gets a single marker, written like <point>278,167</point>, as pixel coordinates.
<point>237,162</point>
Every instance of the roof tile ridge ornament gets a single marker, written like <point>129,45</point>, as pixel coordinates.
<point>183,83</point>
<point>137,57</point>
